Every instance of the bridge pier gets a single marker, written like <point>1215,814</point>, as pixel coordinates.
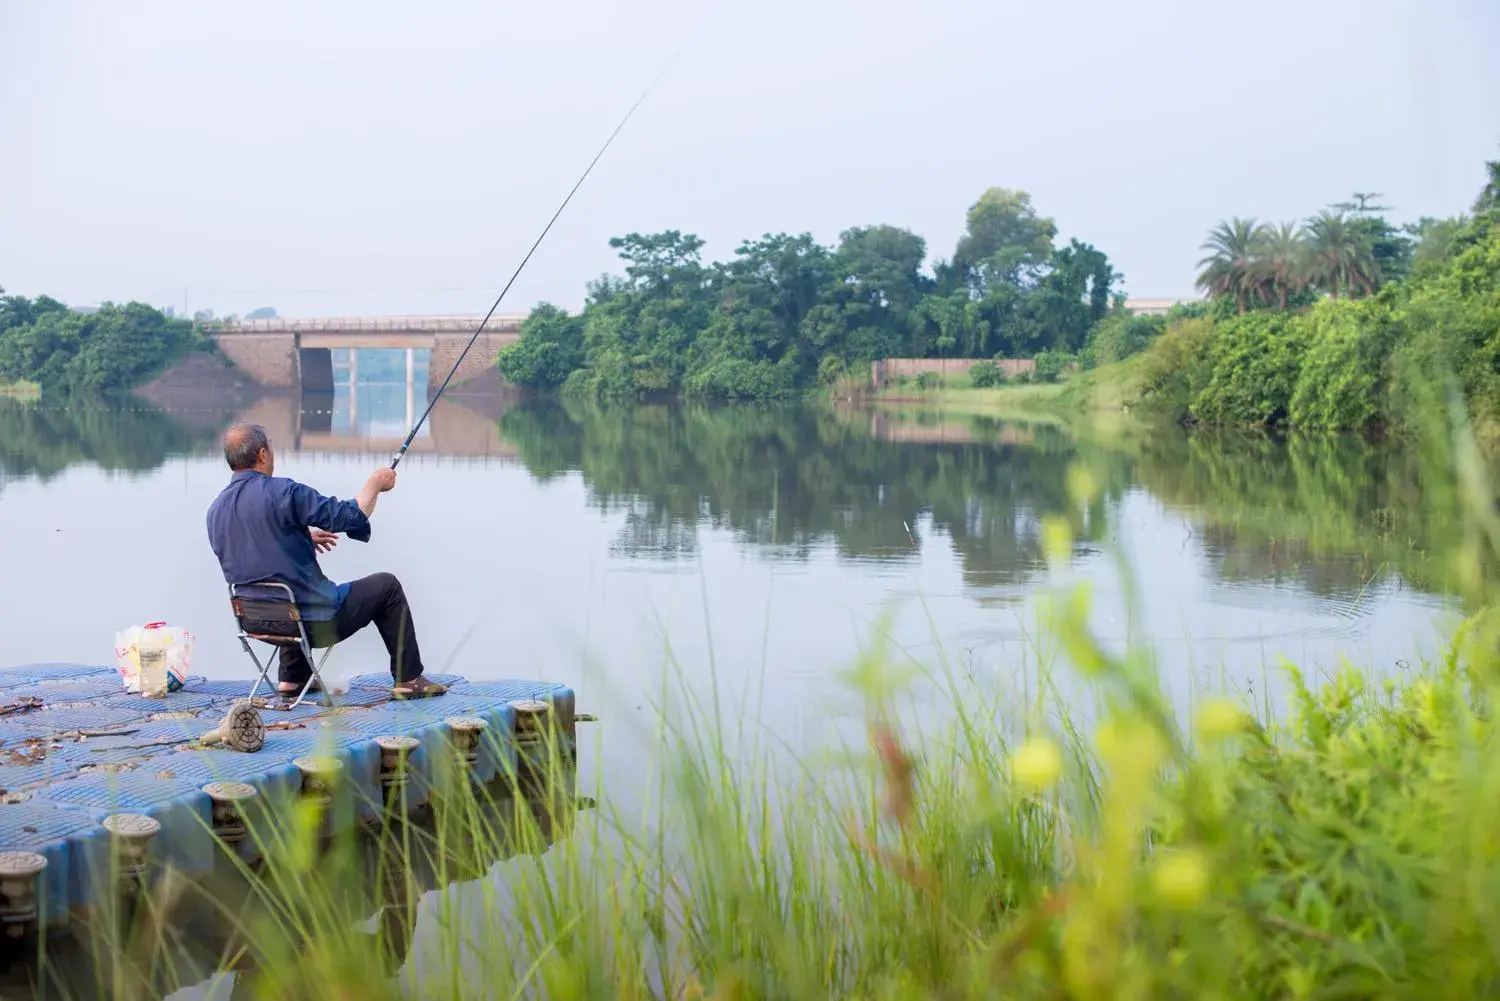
<point>270,359</point>
<point>446,349</point>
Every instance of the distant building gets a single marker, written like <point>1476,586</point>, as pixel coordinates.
<point>1151,307</point>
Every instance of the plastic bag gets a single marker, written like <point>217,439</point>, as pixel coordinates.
<point>175,645</point>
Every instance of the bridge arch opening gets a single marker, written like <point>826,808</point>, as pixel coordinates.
<point>380,392</point>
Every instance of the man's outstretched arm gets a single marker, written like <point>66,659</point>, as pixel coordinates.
<point>380,481</point>
<point>311,509</point>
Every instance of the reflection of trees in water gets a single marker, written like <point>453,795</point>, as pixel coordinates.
<point>1289,561</point>
<point>790,478</point>
<point>1337,513</point>
<point>653,533</point>
<point>1334,514</point>
<point>44,441</point>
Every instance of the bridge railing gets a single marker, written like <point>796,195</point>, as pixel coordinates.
<point>366,324</point>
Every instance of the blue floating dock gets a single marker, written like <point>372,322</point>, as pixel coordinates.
<point>75,747</point>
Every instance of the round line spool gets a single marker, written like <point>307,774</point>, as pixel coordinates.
<point>241,729</point>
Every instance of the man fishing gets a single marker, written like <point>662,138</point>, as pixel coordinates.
<point>265,527</point>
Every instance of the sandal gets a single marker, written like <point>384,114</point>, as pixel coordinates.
<point>418,688</point>
<point>316,687</point>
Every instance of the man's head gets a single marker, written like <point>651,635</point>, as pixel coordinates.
<point>247,447</point>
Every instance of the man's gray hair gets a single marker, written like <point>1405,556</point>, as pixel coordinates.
<point>242,445</point>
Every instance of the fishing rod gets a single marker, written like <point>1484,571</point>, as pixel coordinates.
<point>436,396</point>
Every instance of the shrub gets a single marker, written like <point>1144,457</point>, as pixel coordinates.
<point>831,369</point>
<point>1118,336</point>
<point>1255,361</point>
<point>929,380</point>
<point>1051,364</point>
<point>1341,382</point>
<point>1176,367</point>
<point>738,378</point>
<point>985,374</point>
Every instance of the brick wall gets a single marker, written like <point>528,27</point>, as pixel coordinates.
<point>890,369</point>
<point>481,357</point>
<point>269,359</point>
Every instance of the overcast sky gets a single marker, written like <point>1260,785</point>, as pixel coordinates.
<point>375,157</point>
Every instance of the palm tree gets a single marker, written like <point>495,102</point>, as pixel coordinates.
<point>1282,258</point>
<point>1341,256</point>
<point>1229,269</point>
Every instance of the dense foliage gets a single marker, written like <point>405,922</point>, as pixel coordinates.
<point>787,313</point>
<point>1401,315</point>
<point>112,349</point>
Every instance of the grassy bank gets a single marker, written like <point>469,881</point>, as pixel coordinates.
<point>1343,853</point>
<point>1107,393</point>
<point>27,391</point>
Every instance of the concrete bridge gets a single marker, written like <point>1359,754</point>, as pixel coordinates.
<point>286,353</point>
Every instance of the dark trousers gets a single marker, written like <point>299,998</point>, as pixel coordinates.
<point>377,598</point>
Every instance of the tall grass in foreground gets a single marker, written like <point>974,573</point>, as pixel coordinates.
<point>1349,850</point>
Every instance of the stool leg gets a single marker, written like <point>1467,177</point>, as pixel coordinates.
<point>256,661</point>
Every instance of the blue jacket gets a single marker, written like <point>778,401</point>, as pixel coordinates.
<point>258,529</point>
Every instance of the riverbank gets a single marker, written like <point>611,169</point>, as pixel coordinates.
<point>24,391</point>
<point>1107,394</point>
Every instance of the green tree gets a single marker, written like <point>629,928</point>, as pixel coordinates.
<point>1342,260</point>
<point>1230,268</point>
<point>550,349</point>
<point>1005,241</point>
<point>110,350</point>
<point>1390,246</point>
<point>868,308</point>
<point>1434,239</point>
<point>1489,196</point>
<point>1071,297</point>
<point>754,342</point>
<point>1281,261</point>
<point>953,325</point>
<point>638,329</point>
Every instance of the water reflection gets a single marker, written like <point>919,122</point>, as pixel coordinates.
<point>758,546</point>
<point>45,441</point>
<point>787,480</point>
<point>1332,516</point>
<point>378,393</point>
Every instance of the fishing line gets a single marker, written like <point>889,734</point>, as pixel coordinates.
<point>435,397</point>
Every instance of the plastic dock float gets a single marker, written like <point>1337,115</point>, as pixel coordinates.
<point>85,765</point>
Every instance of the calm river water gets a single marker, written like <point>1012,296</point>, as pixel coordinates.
<point>594,547</point>
<point>760,546</point>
